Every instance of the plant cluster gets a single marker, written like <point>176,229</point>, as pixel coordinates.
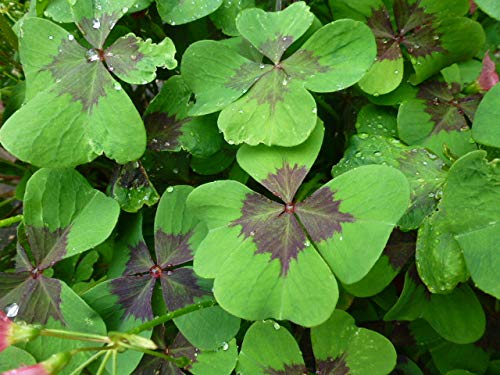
<point>250,187</point>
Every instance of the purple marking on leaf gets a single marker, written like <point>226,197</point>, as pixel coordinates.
<point>124,55</point>
<point>180,288</point>
<point>286,181</point>
<point>332,366</point>
<point>39,298</point>
<point>140,259</point>
<point>244,77</point>
<point>320,214</point>
<point>73,63</point>
<point>272,229</point>
<point>96,30</point>
<point>447,108</point>
<point>290,369</point>
<point>275,47</point>
<point>163,131</point>
<point>47,247</point>
<point>400,248</point>
<point>309,65</point>
<point>135,294</point>
<point>172,249</point>
<point>387,43</point>
<point>133,176</point>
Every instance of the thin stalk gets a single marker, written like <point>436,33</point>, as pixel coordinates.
<point>103,364</point>
<point>171,315</point>
<point>115,362</point>
<point>82,336</point>
<point>180,362</point>
<point>12,164</point>
<point>7,32</point>
<point>7,201</point>
<point>10,220</point>
<point>80,368</point>
<point>278,5</point>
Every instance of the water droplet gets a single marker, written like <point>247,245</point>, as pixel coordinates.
<point>285,82</point>
<point>58,80</point>
<point>396,72</point>
<point>315,110</point>
<point>341,238</point>
<point>172,23</point>
<point>358,154</point>
<point>240,111</point>
<point>133,57</point>
<point>380,126</point>
<point>252,233</point>
<point>225,346</point>
<point>432,156</point>
<point>96,24</point>
<point>435,37</point>
<point>175,170</point>
<point>363,135</point>
<point>307,243</point>
<point>262,66</point>
<point>276,326</point>
<point>377,153</point>
<point>117,86</point>
<point>124,9</point>
<point>92,55</point>
<point>12,310</point>
<point>71,37</point>
<point>110,68</point>
<point>376,94</point>
<point>230,142</point>
<point>51,37</point>
<point>170,189</point>
<point>424,163</point>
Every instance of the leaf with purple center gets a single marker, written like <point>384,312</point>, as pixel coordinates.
<point>63,216</point>
<point>457,316</point>
<point>424,170</point>
<point>432,35</point>
<point>275,259</point>
<point>351,350</point>
<point>81,110</point>
<point>439,115</point>
<point>270,349</point>
<point>270,103</point>
<point>170,128</point>
<point>177,235</point>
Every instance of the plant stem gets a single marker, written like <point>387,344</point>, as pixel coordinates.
<point>278,5</point>
<point>79,369</point>
<point>102,367</point>
<point>7,201</point>
<point>10,220</point>
<point>172,315</point>
<point>74,335</point>
<point>180,362</point>
<point>7,32</point>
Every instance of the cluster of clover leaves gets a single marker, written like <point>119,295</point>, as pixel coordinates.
<point>261,240</point>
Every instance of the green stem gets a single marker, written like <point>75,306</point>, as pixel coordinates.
<point>105,360</point>
<point>171,315</point>
<point>180,362</point>
<point>7,32</point>
<point>10,220</point>
<point>80,368</point>
<point>278,5</point>
<point>74,335</point>
<point>12,164</point>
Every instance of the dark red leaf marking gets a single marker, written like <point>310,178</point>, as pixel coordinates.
<point>332,366</point>
<point>163,131</point>
<point>286,181</point>
<point>400,248</point>
<point>290,369</point>
<point>320,214</point>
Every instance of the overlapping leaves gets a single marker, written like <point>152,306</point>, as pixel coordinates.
<point>430,34</point>
<point>273,259</point>
<point>75,110</point>
<point>277,109</point>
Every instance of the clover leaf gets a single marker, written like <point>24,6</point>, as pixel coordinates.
<point>75,110</point>
<point>275,259</point>
<point>269,103</point>
<point>485,129</point>
<point>430,34</point>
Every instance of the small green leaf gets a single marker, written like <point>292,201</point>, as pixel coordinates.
<point>341,347</point>
<point>269,348</point>
<point>225,17</point>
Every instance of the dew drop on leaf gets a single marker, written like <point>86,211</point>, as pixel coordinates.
<point>170,189</point>
<point>276,326</point>
<point>96,24</point>
<point>12,310</point>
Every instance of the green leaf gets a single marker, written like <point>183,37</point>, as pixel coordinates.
<point>377,120</point>
<point>273,32</point>
<point>458,316</point>
<point>14,357</point>
<point>134,60</point>
<point>269,348</point>
<point>423,169</point>
<point>81,111</point>
<point>466,211</point>
<point>170,128</point>
<point>61,203</point>
<point>132,188</point>
<point>485,129</point>
<point>225,17</point>
<point>218,362</point>
<point>341,347</point>
<point>490,7</point>
<point>176,12</point>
